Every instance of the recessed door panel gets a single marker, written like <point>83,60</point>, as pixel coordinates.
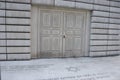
<point>46,19</point>
<point>69,20</point>
<point>56,19</point>
<point>77,43</point>
<point>79,20</point>
<point>50,31</point>
<point>73,24</point>
<point>45,44</point>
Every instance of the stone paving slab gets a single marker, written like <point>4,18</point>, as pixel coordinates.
<point>104,68</point>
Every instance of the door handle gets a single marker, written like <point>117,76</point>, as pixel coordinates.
<point>63,36</point>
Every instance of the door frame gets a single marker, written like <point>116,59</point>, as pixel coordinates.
<point>34,28</point>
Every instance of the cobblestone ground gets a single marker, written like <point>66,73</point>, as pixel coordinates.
<point>100,68</point>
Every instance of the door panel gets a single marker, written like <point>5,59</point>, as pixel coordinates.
<point>45,44</point>
<point>68,43</point>
<point>46,19</point>
<point>50,31</point>
<point>79,20</point>
<point>73,34</point>
<point>57,19</point>
<point>77,43</point>
<point>69,20</point>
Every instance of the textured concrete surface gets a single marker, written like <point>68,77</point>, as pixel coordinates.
<point>104,68</point>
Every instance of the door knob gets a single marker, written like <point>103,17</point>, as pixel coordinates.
<point>63,36</point>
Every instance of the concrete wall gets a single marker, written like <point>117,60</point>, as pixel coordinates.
<point>15,29</point>
<point>15,26</point>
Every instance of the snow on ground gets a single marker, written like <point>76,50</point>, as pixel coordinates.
<point>100,68</point>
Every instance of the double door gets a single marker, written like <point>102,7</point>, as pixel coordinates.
<point>60,33</point>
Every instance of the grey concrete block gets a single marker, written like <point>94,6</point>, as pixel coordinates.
<point>113,37</point>
<point>113,48</point>
<point>100,13</point>
<point>2,56</point>
<point>3,50</point>
<point>2,27</point>
<point>2,20</point>
<point>2,12</point>
<point>87,1</point>
<point>17,21</point>
<point>115,15</point>
<point>18,35</point>
<point>2,35</point>
<point>18,42</point>
<point>98,53</point>
<point>95,42</point>
<point>101,8</point>
<point>113,32</point>
<point>64,3</point>
<point>2,42</point>
<point>99,25</point>
<point>23,1</point>
<point>98,48</point>
<point>114,9</point>
<point>18,56</point>
<point>18,50</point>
<point>116,4</point>
<point>2,5</point>
<point>99,37</point>
<point>115,21</point>
<point>84,6</point>
<point>100,19</point>
<point>19,28</point>
<point>113,42</point>
<point>16,6</point>
<point>115,26</point>
<point>43,2</point>
<point>99,31</point>
<point>102,2</point>
<point>18,14</point>
<point>113,53</point>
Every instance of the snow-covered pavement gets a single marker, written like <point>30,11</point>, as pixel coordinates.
<point>103,68</point>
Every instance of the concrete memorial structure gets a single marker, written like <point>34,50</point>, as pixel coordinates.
<point>59,28</point>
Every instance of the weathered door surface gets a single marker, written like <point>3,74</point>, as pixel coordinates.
<point>50,33</point>
<point>72,34</point>
<point>60,33</point>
